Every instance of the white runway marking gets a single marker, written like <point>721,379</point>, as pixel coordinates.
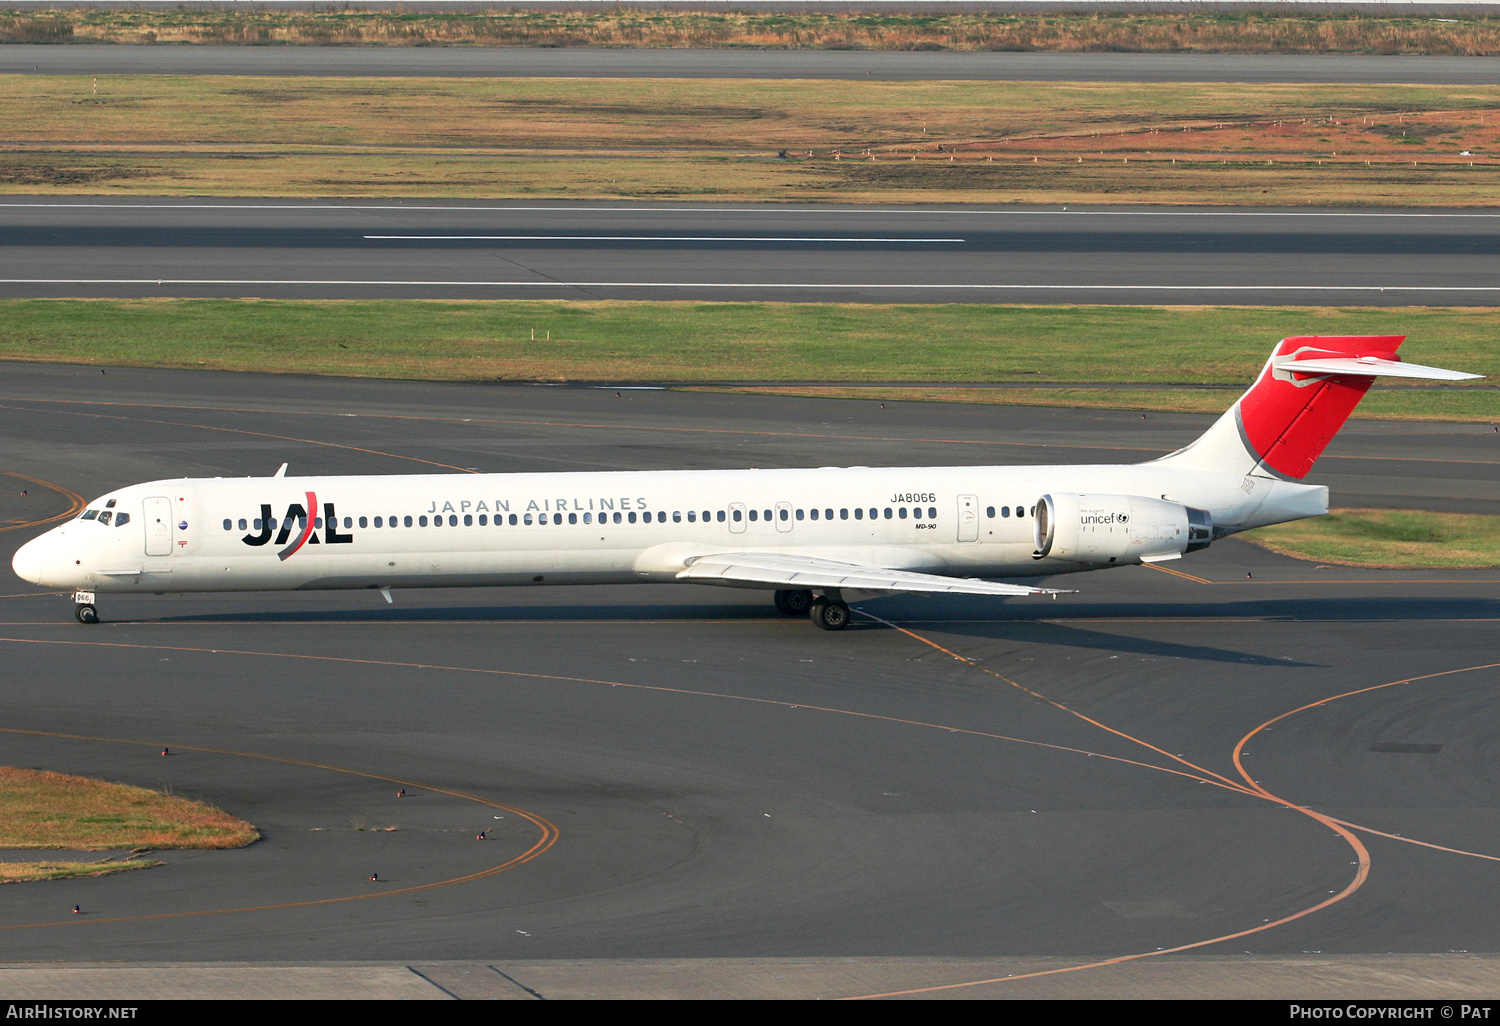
<point>886,286</point>
<point>643,238</point>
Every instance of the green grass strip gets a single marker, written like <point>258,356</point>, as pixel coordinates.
<point>1388,538</point>
<point>762,343</point>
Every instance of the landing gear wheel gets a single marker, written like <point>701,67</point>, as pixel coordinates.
<point>86,614</point>
<point>794,603</point>
<point>829,615</point>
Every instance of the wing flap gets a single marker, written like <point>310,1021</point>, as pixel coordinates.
<point>796,571</point>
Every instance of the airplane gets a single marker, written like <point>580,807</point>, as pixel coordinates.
<point>817,538</point>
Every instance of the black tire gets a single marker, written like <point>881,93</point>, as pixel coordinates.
<point>86,614</point>
<point>794,602</point>
<point>831,616</point>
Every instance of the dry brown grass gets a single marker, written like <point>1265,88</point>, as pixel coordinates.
<point>1222,32</point>
<point>41,809</point>
<point>31,872</point>
<point>753,140</point>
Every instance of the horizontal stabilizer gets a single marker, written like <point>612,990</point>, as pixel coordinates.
<point>796,571</point>
<point>1374,367</point>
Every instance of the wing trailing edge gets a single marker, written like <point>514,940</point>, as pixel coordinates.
<point>784,570</point>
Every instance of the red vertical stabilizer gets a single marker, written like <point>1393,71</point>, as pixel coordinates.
<point>1288,417</point>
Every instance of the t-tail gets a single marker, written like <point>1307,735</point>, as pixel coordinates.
<point>1305,392</point>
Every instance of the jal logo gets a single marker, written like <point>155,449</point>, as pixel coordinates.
<point>297,518</point>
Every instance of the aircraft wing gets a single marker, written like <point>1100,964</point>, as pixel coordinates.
<point>796,571</point>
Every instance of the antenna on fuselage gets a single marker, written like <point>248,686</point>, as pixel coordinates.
<point>280,471</point>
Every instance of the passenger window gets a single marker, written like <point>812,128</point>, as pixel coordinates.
<point>768,514</point>
<point>408,521</point>
<point>799,514</point>
<point>1004,511</point>
<point>721,515</point>
<point>646,517</point>
<point>228,525</point>
<point>541,518</point>
<point>572,518</point>
<point>859,513</point>
<point>421,521</point>
<point>632,516</point>
<point>874,513</point>
<point>827,514</point>
<point>588,518</point>
<point>843,514</point>
<point>917,512</point>
<point>692,516</point>
<point>888,512</point>
<point>812,513</point>
<point>900,512</point>
<point>754,514</point>
<point>242,523</point>
<point>377,521</point>
<point>676,517</point>
<point>931,512</point>
<point>513,520</point>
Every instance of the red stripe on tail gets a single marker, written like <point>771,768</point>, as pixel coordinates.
<point>1288,418</point>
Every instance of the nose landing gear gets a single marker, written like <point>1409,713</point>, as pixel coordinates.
<point>83,607</point>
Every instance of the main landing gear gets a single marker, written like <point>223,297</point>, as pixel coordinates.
<point>827,611</point>
<point>83,607</point>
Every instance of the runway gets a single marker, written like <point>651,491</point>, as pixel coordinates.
<point>1155,776</point>
<point>478,250</point>
<point>539,62</point>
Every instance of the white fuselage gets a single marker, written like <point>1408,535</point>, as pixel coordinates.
<point>593,528</point>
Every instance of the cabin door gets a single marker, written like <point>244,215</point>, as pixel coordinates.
<point>158,510</point>
<point>968,518</point>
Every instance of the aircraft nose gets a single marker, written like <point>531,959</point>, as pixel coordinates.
<point>31,560</point>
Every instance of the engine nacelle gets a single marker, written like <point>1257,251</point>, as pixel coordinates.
<point>1116,529</point>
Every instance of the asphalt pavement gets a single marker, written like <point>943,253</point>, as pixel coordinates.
<point>65,246</point>
<point>953,791</point>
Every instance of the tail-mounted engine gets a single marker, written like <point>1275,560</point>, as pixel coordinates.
<point>1116,529</point>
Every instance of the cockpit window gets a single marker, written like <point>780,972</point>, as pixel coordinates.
<point>122,519</point>
<point>89,514</point>
<point>110,504</point>
<point>106,516</point>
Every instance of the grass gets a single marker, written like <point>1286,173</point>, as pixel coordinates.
<point>619,26</point>
<point>31,872</point>
<point>1388,538</point>
<point>755,140</point>
<point>40,809</point>
<point>825,348</point>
